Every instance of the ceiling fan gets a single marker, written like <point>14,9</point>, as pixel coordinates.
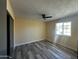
<point>45,17</point>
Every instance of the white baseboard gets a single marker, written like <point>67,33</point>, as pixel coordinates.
<point>27,43</point>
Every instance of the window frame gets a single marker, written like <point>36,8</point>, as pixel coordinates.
<point>63,28</point>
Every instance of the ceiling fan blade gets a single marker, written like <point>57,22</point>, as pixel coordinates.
<point>44,16</point>
<point>49,17</point>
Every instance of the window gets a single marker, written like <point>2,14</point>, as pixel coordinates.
<point>63,28</point>
<point>59,28</point>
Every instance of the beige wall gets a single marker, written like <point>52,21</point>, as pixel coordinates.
<point>28,30</point>
<point>10,9</point>
<point>50,31</point>
<point>67,41</point>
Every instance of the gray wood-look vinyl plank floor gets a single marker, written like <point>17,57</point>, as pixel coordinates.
<point>43,50</point>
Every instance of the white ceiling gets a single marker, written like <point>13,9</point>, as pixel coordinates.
<point>34,8</point>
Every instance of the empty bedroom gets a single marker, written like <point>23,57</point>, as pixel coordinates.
<point>42,29</point>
